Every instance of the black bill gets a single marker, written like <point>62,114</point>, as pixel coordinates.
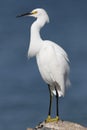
<point>26,14</point>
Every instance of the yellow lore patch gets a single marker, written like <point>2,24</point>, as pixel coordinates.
<point>34,12</point>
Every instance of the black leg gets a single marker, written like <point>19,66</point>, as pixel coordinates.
<point>57,99</point>
<point>50,105</point>
<point>49,119</point>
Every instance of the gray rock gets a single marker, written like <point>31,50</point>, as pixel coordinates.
<point>60,125</point>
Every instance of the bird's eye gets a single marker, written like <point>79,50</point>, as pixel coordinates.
<point>34,12</point>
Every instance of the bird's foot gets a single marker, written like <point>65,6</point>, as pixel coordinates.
<point>49,119</point>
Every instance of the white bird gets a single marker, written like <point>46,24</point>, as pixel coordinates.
<point>51,59</point>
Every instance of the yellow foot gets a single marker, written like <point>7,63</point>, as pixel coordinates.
<point>49,119</point>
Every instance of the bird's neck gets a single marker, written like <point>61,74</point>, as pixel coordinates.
<point>35,29</point>
<point>35,32</point>
<point>35,38</point>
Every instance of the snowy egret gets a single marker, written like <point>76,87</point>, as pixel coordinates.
<point>52,60</point>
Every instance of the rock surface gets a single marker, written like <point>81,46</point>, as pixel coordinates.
<point>60,125</point>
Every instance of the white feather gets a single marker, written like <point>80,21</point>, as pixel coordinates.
<point>52,60</point>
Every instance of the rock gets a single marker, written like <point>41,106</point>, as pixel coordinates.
<point>60,125</point>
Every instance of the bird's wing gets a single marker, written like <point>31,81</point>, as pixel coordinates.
<point>61,70</point>
<point>60,50</point>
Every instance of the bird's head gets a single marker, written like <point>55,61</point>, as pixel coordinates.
<point>37,13</point>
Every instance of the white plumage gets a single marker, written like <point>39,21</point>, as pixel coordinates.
<point>52,60</point>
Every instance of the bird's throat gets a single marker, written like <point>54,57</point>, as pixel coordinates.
<point>35,40</point>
